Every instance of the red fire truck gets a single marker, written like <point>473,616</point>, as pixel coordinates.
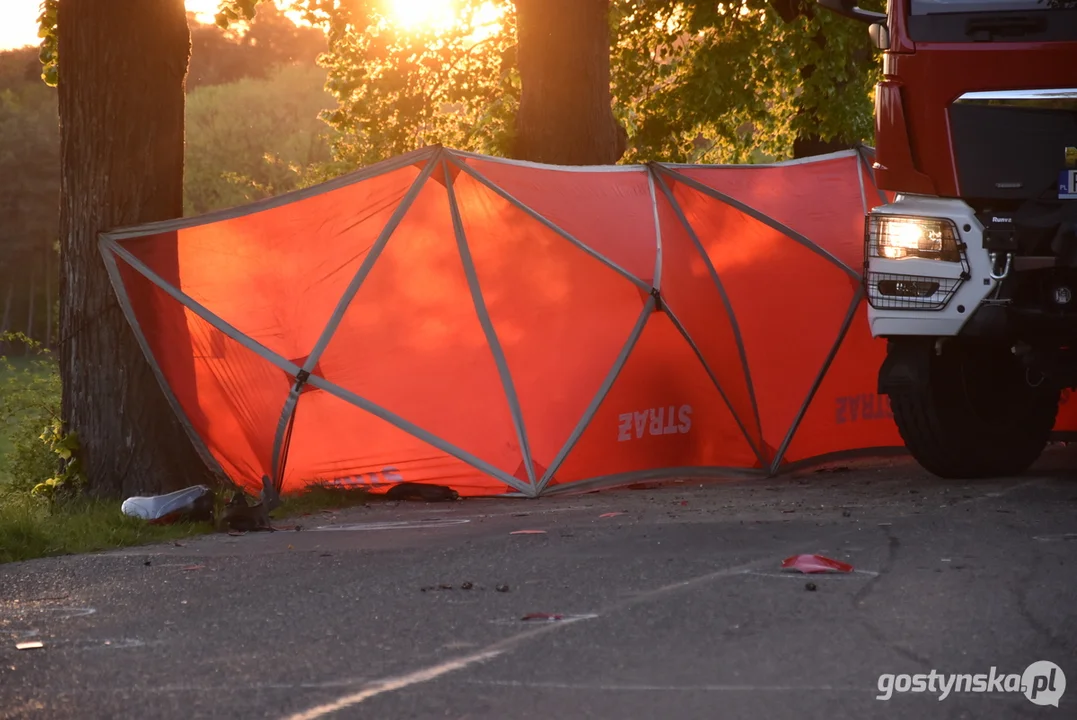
<point>971,271</point>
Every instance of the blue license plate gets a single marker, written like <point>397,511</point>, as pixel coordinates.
<point>1067,185</point>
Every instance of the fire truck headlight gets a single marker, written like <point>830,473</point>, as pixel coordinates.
<point>893,237</point>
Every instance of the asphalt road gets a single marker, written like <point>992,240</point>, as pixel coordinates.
<point>675,608</point>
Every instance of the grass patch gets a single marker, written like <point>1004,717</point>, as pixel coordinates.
<point>320,497</point>
<point>29,393</point>
<point>29,412</point>
<point>30,528</point>
<point>33,526</point>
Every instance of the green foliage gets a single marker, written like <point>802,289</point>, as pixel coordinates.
<point>49,54</point>
<point>693,81</point>
<point>41,511</point>
<point>275,149</point>
<point>321,497</point>
<point>252,49</point>
<point>69,480</point>
<point>234,11</point>
<point>32,529</point>
<point>398,88</point>
<point>278,143</point>
<point>725,82</point>
<point>29,406</point>
<point>39,459</point>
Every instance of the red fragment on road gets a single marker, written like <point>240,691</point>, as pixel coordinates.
<point>815,564</point>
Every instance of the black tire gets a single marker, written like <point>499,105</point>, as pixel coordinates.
<point>978,415</point>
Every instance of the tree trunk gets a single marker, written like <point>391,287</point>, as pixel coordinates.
<point>6,323</point>
<point>563,55</point>
<point>48,298</point>
<point>30,313</point>
<point>810,145</point>
<point>121,101</point>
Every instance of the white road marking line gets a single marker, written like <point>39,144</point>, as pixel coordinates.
<point>393,525</point>
<point>51,612</point>
<point>400,682</point>
<point>1052,538</point>
<point>396,683</point>
<point>615,687</point>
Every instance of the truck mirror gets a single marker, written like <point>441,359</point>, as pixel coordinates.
<point>880,35</point>
<point>849,9</point>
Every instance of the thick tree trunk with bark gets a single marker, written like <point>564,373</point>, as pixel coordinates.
<point>30,312</point>
<point>48,298</point>
<point>121,100</point>
<point>563,55</point>
<point>811,145</point>
<point>5,324</point>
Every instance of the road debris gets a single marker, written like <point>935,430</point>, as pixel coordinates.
<point>542,616</point>
<point>239,515</point>
<point>423,492</point>
<point>48,598</point>
<point>528,532</point>
<point>193,504</point>
<point>611,514</point>
<point>30,645</point>
<point>815,564</point>
<point>810,587</point>
<point>439,586</point>
<point>502,588</point>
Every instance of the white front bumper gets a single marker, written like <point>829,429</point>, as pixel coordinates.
<point>948,320</point>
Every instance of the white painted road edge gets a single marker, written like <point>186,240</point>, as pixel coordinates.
<point>400,682</point>
<point>433,672</point>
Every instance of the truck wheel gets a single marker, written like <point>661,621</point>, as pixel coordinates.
<point>977,415</point>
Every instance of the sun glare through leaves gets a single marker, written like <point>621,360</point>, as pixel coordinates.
<point>426,14</point>
<point>482,16</point>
